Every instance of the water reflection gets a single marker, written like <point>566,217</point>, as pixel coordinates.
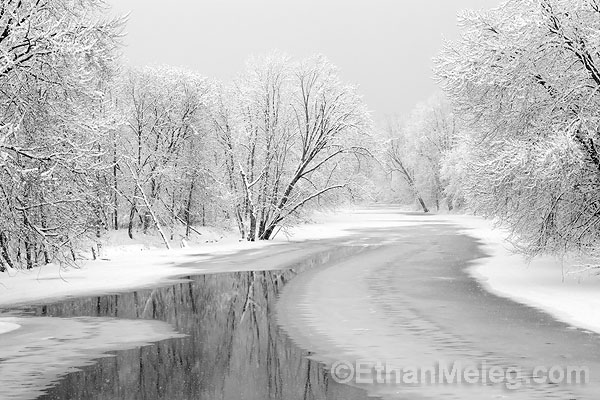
<point>234,348</point>
<point>43,349</point>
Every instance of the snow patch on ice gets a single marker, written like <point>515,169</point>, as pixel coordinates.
<point>6,326</point>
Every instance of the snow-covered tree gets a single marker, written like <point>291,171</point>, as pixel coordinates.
<point>161,146</point>
<point>415,149</point>
<point>292,134</point>
<point>399,158</point>
<point>432,129</point>
<point>526,78</point>
<point>55,59</point>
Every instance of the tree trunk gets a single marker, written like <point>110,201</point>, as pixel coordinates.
<point>146,222</point>
<point>425,209</point>
<point>4,250</point>
<point>267,233</point>
<point>115,199</point>
<point>409,179</point>
<point>28,255</point>
<point>151,212</point>
<point>449,203</point>
<point>230,163</point>
<point>44,222</point>
<point>251,209</point>
<point>132,212</point>
<point>252,230</point>
<point>188,209</point>
<point>130,224</point>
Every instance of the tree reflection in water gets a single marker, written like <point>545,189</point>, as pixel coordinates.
<point>234,348</point>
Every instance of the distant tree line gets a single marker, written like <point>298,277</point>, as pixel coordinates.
<point>88,146</point>
<point>416,153</point>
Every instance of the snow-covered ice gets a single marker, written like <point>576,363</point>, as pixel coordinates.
<point>6,326</point>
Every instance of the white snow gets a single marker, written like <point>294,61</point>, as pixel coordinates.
<point>129,267</point>
<point>544,283</point>
<point>328,225</point>
<point>345,222</point>
<point>6,326</point>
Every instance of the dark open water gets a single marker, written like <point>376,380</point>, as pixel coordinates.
<point>234,348</point>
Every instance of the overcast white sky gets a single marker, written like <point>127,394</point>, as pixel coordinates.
<point>384,46</point>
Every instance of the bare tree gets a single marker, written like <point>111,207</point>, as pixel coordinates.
<point>432,129</point>
<point>397,160</point>
<point>290,133</point>
<point>164,108</point>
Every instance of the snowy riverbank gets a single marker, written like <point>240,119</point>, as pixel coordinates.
<point>131,267</point>
<point>544,283</point>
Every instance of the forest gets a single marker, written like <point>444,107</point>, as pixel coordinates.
<point>89,145</point>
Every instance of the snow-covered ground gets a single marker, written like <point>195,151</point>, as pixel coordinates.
<point>133,268</point>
